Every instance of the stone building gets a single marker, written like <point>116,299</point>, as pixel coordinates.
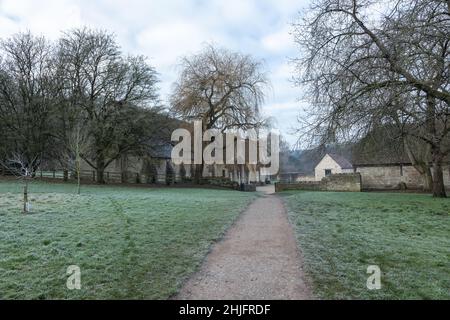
<point>378,173</point>
<point>145,168</point>
<point>379,176</point>
<point>332,164</point>
<point>152,167</point>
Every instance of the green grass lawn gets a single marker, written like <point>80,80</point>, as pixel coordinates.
<point>341,234</point>
<point>129,242</point>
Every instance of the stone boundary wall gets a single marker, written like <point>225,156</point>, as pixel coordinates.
<point>392,177</point>
<point>349,182</point>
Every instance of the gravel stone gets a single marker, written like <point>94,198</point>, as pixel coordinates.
<point>257,259</point>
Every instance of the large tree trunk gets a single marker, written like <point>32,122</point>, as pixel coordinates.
<point>65,175</point>
<point>199,168</point>
<point>422,165</point>
<point>78,171</point>
<point>199,173</point>
<point>436,154</point>
<point>101,175</point>
<point>438,174</point>
<point>425,172</point>
<point>100,170</point>
<point>78,174</point>
<point>78,183</point>
<point>428,179</point>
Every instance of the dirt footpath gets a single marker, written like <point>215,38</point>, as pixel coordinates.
<point>257,259</point>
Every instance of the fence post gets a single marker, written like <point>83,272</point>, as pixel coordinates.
<point>54,174</point>
<point>107,175</point>
<point>93,175</point>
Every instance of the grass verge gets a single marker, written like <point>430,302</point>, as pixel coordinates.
<point>132,243</point>
<point>341,234</point>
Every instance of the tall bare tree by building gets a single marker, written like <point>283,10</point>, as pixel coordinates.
<point>223,89</point>
<point>364,69</point>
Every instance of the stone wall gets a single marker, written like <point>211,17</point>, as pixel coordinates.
<point>310,178</point>
<point>350,182</point>
<point>390,177</point>
<point>302,185</point>
<point>342,182</point>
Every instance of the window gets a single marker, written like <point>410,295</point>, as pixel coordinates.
<point>327,172</point>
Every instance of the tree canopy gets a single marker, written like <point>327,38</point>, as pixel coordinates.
<point>367,63</point>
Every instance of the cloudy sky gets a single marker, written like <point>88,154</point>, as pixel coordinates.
<point>164,30</point>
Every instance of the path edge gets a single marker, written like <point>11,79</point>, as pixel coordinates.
<point>309,283</point>
<point>219,239</point>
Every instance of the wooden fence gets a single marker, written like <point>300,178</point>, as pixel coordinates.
<point>90,176</point>
<point>127,177</point>
<point>112,177</point>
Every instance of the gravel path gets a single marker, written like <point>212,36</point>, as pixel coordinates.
<point>257,259</point>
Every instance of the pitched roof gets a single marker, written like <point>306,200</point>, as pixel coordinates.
<point>341,161</point>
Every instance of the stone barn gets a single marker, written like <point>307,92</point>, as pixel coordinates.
<point>377,172</point>
<point>385,176</point>
<point>153,166</point>
<point>332,164</point>
<point>150,167</point>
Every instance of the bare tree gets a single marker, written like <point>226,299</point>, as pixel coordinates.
<point>224,89</point>
<point>49,91</point>
<point>221,88</point>
<point>23,169</point>
<point>364,69</point>
<point>25,96</point>
<point>70,154</point>
<point>108,88</point>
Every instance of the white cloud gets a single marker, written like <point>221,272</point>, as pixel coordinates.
<point>279,41</point>
<point>47,18</point>
<point>165,42</point>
